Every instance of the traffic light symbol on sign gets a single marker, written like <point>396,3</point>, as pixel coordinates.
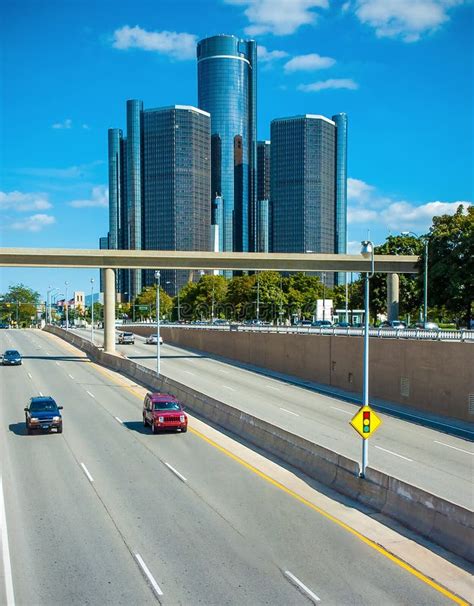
<point>366,421</point>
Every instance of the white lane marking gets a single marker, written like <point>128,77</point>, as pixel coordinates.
<point>148,574</point>
<point>70,376</point>
<point>91,394</point>
<point>227,387</point>
<point>289,411</point>
<point>394,454</point>
<point>90,478</point>
<point>454,447</point>
<point>272,387</point>
<point>182,478</point>
<point>7,568</point>
<point>188,372</point>
<point>308,593</point>
<point>346,412</point>
<point>57,363</point>
<point>30,376</point>
<point>40,393</point>
<point>226,372</point>
<point>119,420</point>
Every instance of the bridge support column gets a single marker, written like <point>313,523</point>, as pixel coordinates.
<point>393,296</point>
<point>109,310</point>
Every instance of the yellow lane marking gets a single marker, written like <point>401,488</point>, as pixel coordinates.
<point>419,575</point>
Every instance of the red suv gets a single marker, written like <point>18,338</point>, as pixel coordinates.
<point>163,411</point>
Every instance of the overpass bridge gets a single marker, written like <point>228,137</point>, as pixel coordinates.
<point>110,260</point>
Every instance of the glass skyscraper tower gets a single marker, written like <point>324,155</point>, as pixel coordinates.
<point>340,120</point>
<point>227,89</point>
<point>176,185</point>
<point>308,185</point>
<point>263,196</point>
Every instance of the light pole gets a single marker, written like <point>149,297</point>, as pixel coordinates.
<point>92,310</point>
<point>157,278</point>
<point>324,294</point>
<point>367,251</point>
<point>258,297</point>
<point>48,303</point>
<point>347,299</point>
<point>425,241</point>
<point>212,303</point>
<point>67,307</point>
<point>281,300</point>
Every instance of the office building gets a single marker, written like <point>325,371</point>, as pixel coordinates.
<point>176,185</point>
<point>308,195</point>
<point>263,196</point>
<point>133,208</point>
<point>103,245</point>
<point>340,120</point>
<point>227,77</point>
<point>159,189</point>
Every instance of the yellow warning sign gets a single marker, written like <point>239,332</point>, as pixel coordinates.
<point>365,421</point>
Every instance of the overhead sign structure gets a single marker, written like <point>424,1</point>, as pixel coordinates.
<point>365,422</point>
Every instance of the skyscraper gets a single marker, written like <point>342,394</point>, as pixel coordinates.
<point>340,121</point>
<point>159,188</point>
<point>263,196</point>
<point>134,188</point>
<point>305,180</point>
<point>176,185</point>
<point>227,89</point>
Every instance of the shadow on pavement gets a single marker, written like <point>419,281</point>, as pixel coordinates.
<point>140,428</point>
<point>19,429</point>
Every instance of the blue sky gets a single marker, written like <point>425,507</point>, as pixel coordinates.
<point>400,69</point>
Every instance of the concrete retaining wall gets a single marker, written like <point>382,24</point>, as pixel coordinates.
<point>433,376</point>
<point>442,522</point>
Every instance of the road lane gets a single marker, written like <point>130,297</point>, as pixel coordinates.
<point>64,547</point>
<point>224,536</point>
<point>321,419</point>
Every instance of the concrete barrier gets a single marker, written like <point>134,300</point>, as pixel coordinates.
<point>439,520</point>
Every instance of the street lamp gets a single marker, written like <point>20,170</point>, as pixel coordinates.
<point>157,278</point>
<point>324,294</point>
<point>92,310</point>
<point>67,306</point>
<point>258,297</point>
<point>48,301</point>
<point>367,251</point>
<point>425,277</point>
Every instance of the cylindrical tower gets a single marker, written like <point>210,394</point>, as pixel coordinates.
<point>227,90</point>
<point>341,189</point>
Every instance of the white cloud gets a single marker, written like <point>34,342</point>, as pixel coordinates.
<point>86,127</point>
<point>353,247</point>
<point>315,87</point>
<point>64,124</point>
<point>174,44</point>
<point>407,19</point>
<point>279,17</point>
<point>19,201</point>
<point>99,197</point>
<point>266,56</point>
<point>308,63</point>
<point>71,172</point>
<point>367,206</point>
<point>34,222</point>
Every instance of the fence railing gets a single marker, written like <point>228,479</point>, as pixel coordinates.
<point>382,333</point>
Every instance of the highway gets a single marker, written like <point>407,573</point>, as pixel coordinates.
<point>107,513</point>
<point>436,462</point>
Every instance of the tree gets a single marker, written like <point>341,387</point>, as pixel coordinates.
<point>451,263</point>
<point>239,298</point>
<point>410,291</point>
<point>19,304</point>
<point>148,297</point>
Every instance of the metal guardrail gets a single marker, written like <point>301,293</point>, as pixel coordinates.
<point>466,336</point>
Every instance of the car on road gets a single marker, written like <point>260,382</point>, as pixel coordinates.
<point>162,411</point>
<point>322,324</point>
<point>11,358</point>
<point>43,414</point>
<point>153,339</point>
<point>396,324</point>
<point>126,338</point>
<point>342,325</point>
<point>428,326</point>
<point>3,325</point>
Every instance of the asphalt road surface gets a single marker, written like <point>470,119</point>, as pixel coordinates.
<point>436,462</point>
<point>107,513</point>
